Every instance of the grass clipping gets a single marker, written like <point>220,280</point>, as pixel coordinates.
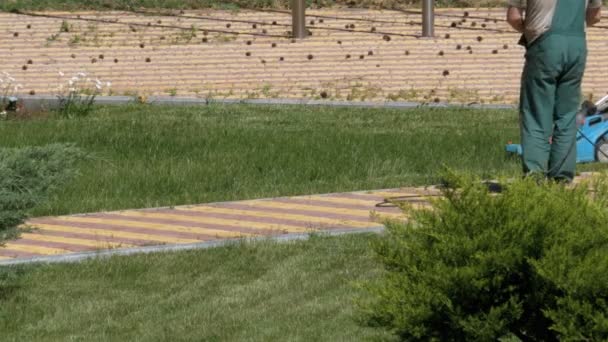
<point>28,176</point>
<point>528,264</point>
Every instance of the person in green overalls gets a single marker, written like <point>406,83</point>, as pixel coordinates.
<point>553,33</point>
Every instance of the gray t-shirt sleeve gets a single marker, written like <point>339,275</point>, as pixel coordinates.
<point>594,3</point>
<point>520,3</point>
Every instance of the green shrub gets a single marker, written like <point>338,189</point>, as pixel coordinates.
<point>529,264</point>
<point>28,175</point>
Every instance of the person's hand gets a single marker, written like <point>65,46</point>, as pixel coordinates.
<point>593,15</point>
<point>515,18</point>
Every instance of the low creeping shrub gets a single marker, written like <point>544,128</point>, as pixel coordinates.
<point>528,264</point>
<point>27,177</point>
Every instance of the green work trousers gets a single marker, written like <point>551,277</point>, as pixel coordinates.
<point>551,94</point>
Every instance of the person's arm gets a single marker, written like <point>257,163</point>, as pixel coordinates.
<point>515,17</point>
<point>594,12</point>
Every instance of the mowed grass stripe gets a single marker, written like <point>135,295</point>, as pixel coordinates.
<point>154,226</point>
<point>212,220</point>
<point>15,246</point>
<point>75,241</point>
<point>317,208</point>
<point>279,215</point>
<point>113,233</point>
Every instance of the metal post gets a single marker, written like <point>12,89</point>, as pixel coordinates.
<point>428,18</point>
<point>298,21</point>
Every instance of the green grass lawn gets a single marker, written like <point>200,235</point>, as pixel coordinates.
<point>149,156</point>
<point>143,156</point>
<point>302,291</point>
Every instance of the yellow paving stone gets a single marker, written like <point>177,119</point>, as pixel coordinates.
<point>154,226</point>
<point>212,220</point>
<point>12,246</point>
<point>278,215</point>
<point>75,241</point>
<point>116,234</point>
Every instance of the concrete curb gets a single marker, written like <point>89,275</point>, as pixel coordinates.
<point>35,103</point>
<point>77,257</point>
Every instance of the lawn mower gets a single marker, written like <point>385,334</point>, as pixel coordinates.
<point>592,133</point>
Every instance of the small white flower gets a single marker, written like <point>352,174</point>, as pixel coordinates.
<point>71,83</point>
<point>81,74</point>
<point>61,74</point>
<point>72,89</point>
<point>109,84</point>
<point>11,79</point>
<point>98,86</point>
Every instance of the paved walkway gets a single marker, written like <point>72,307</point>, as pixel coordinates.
<point>209,222</point>
<point>352,54</point>
<point>215,222</point>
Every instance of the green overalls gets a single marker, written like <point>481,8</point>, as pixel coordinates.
<point>551,92</point>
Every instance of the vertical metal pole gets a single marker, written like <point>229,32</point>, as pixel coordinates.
<point>428,18</point>
<point>298,21</point>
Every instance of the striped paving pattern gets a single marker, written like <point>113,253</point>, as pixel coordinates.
<point>199,223</point>
<point>351,55</point>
